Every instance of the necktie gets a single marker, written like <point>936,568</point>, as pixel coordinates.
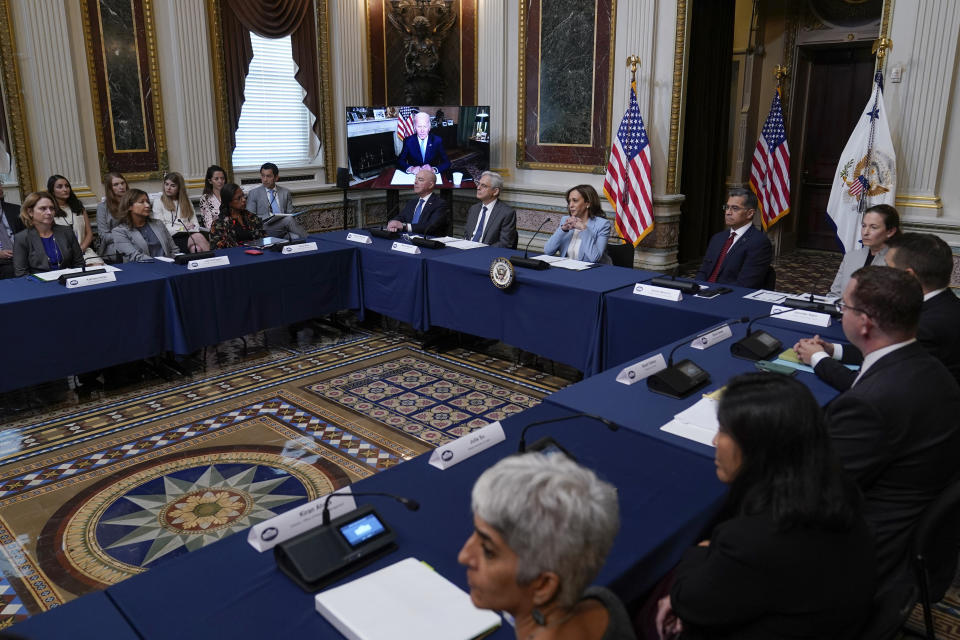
<point>274,206</point>
<point>417,212</point>
<point>479,232</point>
<point>423,150</point>
<point>723,254</point>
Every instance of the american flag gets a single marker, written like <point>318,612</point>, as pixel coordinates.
<point>405,124</point>
<point>770,173</point>
<point>627,185</point>
<point>859,185</point>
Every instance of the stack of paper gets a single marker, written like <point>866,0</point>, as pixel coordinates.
<point>405,601</point>
<point>565,263</point>
<point>50,276</point>
<point>697,423</point>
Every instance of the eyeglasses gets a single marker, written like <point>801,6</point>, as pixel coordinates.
<point>485,186</point>
<point>734,207</point>
<point>843,306</point>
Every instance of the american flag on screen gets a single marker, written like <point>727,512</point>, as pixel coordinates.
<point>405,124</point>
<point>770,173</point>
<point>627,185</point>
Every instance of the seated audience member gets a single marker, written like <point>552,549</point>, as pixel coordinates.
<point>43,245</point>
<point>741,254</point>
<point>422,150</point>
<point>428,215</point>
<point>174,210</point>
<point>490,221</point>
<point>210,203</point>
<point>543,526</point>
<point>10,226</point>
<point>897,429</point>
<point>880,223</point>
<point>582,235</point>
<point>235,225</point>
<point>269,199</point>
<point>70,213</point>
<point>138,237</point>
<point>930,260</point>
<point>792,556</point>
<point>108,213</point>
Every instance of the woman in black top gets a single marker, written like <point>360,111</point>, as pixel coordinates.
<point>43,245</point>
<point>235,225</point>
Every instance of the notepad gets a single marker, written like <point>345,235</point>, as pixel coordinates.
<point>405,601</point>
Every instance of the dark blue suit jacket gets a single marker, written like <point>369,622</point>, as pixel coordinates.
<point>434,219</point>
<point>746,263</point>
<point>410,154</point>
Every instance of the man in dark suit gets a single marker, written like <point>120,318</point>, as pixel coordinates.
<point>896,431</point>
<point>490,221</point>
<point>428,214</point>
<point>422,150</point>
<point>10,225</point>
<point>930,260</point>
<point>740,255</point>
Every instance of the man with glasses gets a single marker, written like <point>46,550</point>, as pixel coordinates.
<point>741,254</point>
<point>897,429</point>
<point>490,221</point>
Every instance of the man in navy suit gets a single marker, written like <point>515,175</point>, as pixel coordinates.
<point>740,255</point>
<point>422,151</point>
<point>428,214</point>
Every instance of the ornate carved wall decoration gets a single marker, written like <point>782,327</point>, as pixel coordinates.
<point>422,51</point>
<point>11,94</point>
<point>125,86</point>
<point>566,82</point>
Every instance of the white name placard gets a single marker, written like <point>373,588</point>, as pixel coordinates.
<point>272,532</point>
<point>709,339</point>
<point>803,315</point>
<point>206,263</point>
<point>642,370</point>
<point>465,446</point>
<point>299,248</point>
<point>80,280</point>
<point>405,248</point>
<point>359,237</point>
<point>661,293</point>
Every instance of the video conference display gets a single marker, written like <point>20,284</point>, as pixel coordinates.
<point>448,139</point>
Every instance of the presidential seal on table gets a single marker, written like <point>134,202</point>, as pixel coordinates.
<point>501,273</point>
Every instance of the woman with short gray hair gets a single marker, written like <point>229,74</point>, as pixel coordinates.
<point>543,526</point>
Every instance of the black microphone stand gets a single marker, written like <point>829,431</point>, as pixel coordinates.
<point>529,263</point>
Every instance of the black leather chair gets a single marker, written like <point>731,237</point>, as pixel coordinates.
<point>936,540</point>
<point>621,254</point>
<point>770,279</point>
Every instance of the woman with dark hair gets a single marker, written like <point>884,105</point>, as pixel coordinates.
<point>211,201</point>
<point>880,223</point>
<point>793,557</point>
<point>235,225</point>
<point>71,214</point>
<point>138,237</point>
<point>174,210</point>
<point>108,212</point>
<point>584,233</point>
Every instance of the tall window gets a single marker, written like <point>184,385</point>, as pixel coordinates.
<point>274,122</point>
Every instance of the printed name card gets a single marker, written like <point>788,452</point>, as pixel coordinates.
<point>803,315</point>
<point>359,237</point>
<point>642,370</point>
<point>299,248</point>
<point>405,248</point>
<point>661,293</point>
<point>277,529</point>
<point>709,339</point>
<point>81,280</point>
<point>465,446</point>
<point>206,263</point>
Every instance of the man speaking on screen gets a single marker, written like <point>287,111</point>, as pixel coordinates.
<point>422,150</point>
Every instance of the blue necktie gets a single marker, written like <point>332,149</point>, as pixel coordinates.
<point>423,150</point>
<point>417,212</point>
<point>479,232</point>
<point>274,206</point>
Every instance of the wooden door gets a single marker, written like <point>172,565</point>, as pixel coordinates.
<point>833,85</point>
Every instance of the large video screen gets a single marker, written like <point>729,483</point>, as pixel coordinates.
<point>448,139</point>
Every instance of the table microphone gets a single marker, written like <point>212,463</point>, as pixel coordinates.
<point>683,378</point>
<point>409,503</point>
<point>830,308</point>
<point>522,447</point>
<point>672,283</point>
<point>758,345</point>
<point>83,269</point>
<point>529,263</point>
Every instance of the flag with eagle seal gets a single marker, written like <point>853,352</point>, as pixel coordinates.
<point>867,172</point>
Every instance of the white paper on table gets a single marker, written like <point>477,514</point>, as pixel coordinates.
<point>50,276</point>
<point>464,244</point>
<point>690,432</point>
<point>402,178</point>
<point>764,295</point>
<point>813,298</point>
<point>546,258</point>
<point>446,239</point>
<point>702,414</point>
<point>164,259</point>
<point>573,265</point>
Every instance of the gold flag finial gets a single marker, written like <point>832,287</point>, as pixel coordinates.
<point>633,62</point>
<point>780,72</point>
<point>880,47</point>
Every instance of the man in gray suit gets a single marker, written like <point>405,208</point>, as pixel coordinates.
<point>269,199</point>
<point>490,221</point>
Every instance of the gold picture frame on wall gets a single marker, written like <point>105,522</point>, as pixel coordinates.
<point>11,93</point>
<point>125,87</point>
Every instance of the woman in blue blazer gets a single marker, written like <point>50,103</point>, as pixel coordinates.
<point>584,233</point>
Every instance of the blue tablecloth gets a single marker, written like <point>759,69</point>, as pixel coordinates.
<point>555,313</point>
<point>667,498</point>
<point>93,617</point>
<point>639,409</point>
<point>51,331</point>
<point>393,282</point>
<point>634,325</point>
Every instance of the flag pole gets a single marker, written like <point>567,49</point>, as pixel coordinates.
<point>633,62</point>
